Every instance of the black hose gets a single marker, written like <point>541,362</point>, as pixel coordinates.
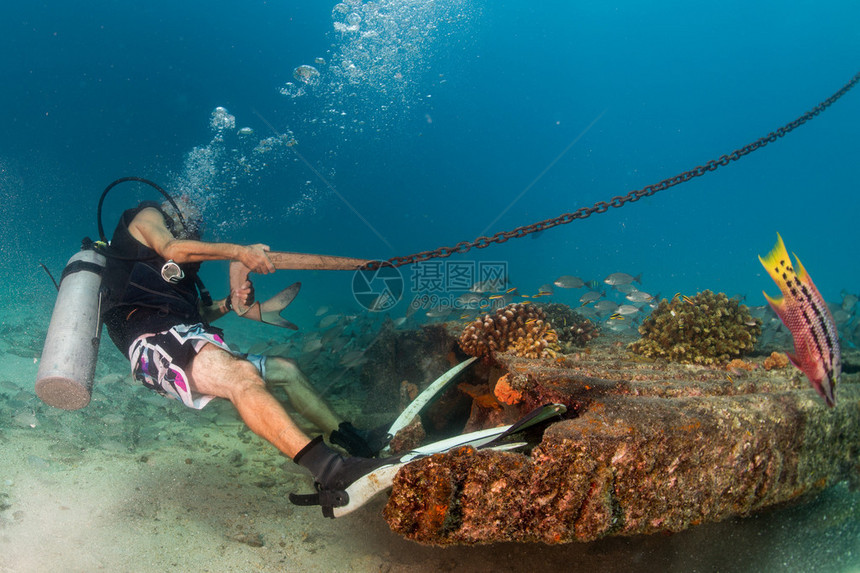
<point>50,275</point>
<point>140,180</point>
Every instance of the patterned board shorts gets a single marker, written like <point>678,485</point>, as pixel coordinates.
<point>162,361</point>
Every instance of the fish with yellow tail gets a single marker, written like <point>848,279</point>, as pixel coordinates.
<point>804,313</point>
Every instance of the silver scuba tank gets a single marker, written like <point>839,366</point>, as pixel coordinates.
<point>68,362</point>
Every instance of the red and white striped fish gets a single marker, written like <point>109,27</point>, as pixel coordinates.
<point>803,311</point>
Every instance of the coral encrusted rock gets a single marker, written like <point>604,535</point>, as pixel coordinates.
<point>709,328</point>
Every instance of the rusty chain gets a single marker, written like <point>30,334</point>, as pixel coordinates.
<point>620,200</point>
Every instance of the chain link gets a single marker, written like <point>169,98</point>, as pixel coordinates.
<point>621,200</point>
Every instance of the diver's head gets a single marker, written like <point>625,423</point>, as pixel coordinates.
<point>191,215</point>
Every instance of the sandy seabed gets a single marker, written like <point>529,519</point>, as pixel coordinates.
<point>135,483</point>
<point>180,508</point>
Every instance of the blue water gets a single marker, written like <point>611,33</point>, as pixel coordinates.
<point>436,122</point>
<point>490,95</point>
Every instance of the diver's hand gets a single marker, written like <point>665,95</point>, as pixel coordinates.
<point>255,258</point>
<point>243,296</point>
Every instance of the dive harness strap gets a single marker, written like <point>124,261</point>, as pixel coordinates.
<point>205,296</point>
<point>78,266</point>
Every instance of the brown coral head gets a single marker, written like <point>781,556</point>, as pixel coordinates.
<point>522,328</point>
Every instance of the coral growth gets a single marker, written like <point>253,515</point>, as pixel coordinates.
<point>736,365</point>
<point>709,328</point>
<point>504,392</point>
<point>573,329</point>
<point>776,360</point>
<point>521,328</point>
<point>409,437</point>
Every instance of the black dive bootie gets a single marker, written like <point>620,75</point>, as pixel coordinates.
<point>332,473</point>
<point>361,443</point>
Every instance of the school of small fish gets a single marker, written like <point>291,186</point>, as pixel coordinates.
<point>617,303</point>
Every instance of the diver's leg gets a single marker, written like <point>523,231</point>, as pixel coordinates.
<point>302,395</point>
<point>216,372</point>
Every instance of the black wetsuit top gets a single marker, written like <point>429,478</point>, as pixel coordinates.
<point>137,300</point>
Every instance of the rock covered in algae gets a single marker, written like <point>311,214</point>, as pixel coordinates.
<point>519,328</point>
<point>634,464</point>
<point>708,328</point>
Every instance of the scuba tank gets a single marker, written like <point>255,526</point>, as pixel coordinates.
<point>68,363</point>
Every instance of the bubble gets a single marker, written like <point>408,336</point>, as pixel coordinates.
<point>246,132</point>
<point>221,119</point>
<point>291,90</point>
<point>319,61</point>
<point>383,51</point>
<point>307,75</point>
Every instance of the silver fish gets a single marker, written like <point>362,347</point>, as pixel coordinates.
<point>618,326</point>
<point>625,289</point>
<point>622,279</point>
<point>568,281</point>
<point>330,335</point>
<point>329,320</point>
<point>605,306</point>
<point>282,349</point>
<point>312,345</point>
<point>591,296</point>
<point>639,296</point>
<point>627,309</point>
<point>338,343</point>
<point>546,289</point>
<point>353,358</point>
<point>438,312</point>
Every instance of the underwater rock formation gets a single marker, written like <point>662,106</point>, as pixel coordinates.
<point>650,448</point>
<point>520,328</point>
<point>427,348</point>
<point>709,328</point>
<point>573,329</point>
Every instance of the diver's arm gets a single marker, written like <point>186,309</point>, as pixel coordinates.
<point>148,227</point>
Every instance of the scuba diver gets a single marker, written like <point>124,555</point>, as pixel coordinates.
<point>144,287</point>
<point>158,313</point>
